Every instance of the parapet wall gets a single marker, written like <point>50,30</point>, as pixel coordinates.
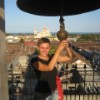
<point>19,61</point>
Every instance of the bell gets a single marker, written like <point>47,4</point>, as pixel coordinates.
<point>52,7</point>
<point>62,35</point>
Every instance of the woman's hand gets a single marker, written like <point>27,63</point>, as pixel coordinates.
<point>67,44</point>
<point>62,45</point>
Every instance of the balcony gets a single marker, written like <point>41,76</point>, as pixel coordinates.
<point>79,83</point>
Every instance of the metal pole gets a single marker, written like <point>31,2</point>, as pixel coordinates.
<point>3,69</point>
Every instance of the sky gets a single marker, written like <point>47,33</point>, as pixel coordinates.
<point>17,21</point>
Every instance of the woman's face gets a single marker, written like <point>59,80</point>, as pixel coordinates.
<point>44,49</point>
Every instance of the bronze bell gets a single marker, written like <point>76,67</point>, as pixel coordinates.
<point>62,34</point>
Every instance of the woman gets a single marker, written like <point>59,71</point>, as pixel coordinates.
<point>45,70</point>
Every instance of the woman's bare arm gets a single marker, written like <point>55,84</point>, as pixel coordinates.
<point>68,57</point>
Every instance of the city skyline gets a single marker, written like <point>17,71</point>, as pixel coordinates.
<point>17,21</point>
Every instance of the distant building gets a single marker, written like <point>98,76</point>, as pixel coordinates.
<point>29,43</point>
<point>44,33</point>
<point>72,39</point>
<point>12,39</point>
<point>35,31</point>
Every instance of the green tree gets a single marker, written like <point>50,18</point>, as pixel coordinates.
<point>52,50</point>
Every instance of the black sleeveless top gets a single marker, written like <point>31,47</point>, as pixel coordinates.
<point>46,79</point>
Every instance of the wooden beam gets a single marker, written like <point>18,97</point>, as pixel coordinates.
<point>3,69</point>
